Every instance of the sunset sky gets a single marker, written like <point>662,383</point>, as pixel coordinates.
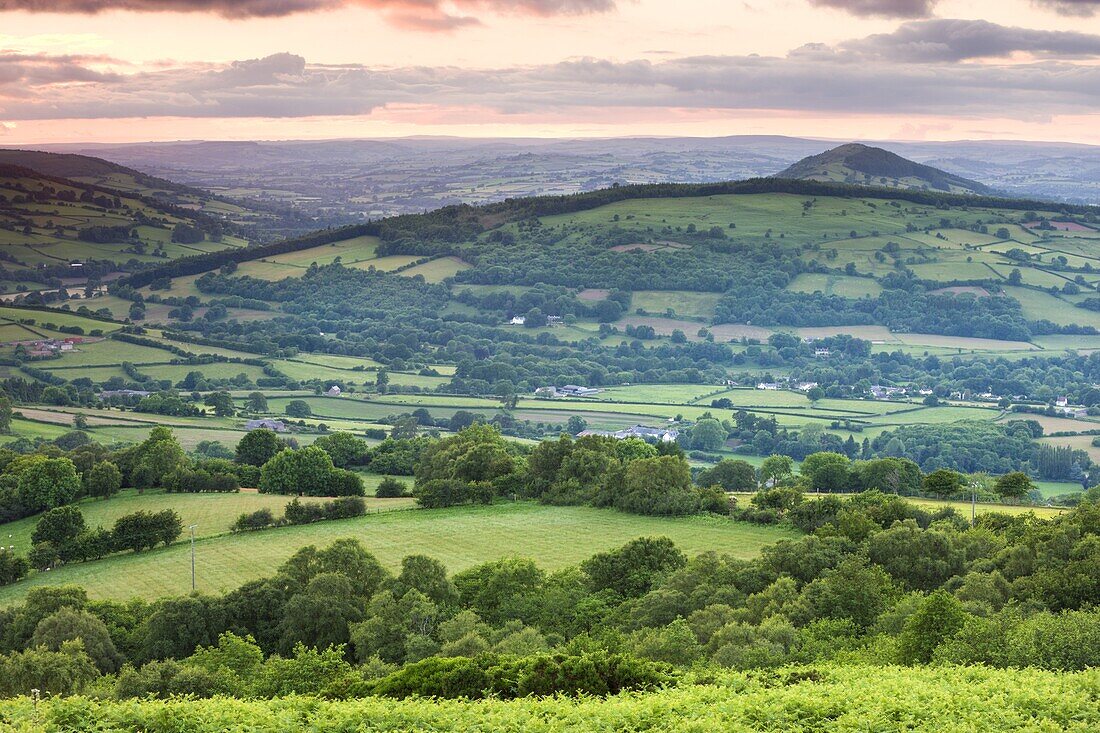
<point>131,70</point>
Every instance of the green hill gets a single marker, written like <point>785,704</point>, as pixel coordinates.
<point>859,164</point>
<point>58,231</point>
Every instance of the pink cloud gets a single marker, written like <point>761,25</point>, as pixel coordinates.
<point>423,15</point>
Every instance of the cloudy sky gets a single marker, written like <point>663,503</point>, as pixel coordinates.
<point>129,70</point>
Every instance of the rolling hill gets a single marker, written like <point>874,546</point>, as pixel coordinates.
<point>860,164</point>
<point>104,220</point>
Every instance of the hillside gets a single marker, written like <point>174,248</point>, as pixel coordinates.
<point>859,164</point>
<point>58,231</point>
<point>659,295</point>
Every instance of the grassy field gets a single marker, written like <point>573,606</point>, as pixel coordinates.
<point>842,285</point>
<point>437,270</point>
<point>684,303</point>
<point>461,537</point>
<point>48,319</point>
<point>213,514</point>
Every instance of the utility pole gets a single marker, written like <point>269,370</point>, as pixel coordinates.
<point>192,528</point>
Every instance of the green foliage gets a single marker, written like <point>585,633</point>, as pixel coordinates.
<point>298,408</point>
<point>730,475</point>
<point>308,471</point>
<point>257,447</point>
<point>103,480</point>
<point>473,466</point>
<point>937,619</point>
<point>67,625</point>
<point>344,448</point>
<point>597,674</point>
<point>45,483</point>
<point>634,568</point>
<point>145,530</point>
<point>391,488</point>
<point>943,483</point>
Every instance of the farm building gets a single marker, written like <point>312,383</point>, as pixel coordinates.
<point>107,393</point>
<point>648,434</point>
<point>333,391</point>
<point>277,425</point>
<point>575,390</point>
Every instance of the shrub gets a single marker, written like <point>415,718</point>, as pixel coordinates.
<point>12,567</point>
<point>391,488</point>
<point>259,519</point>
<point>594,673</point>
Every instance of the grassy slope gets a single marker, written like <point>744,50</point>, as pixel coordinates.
<point>212,513</point>
<point>459,537</point>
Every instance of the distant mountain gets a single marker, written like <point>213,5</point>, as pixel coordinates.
<point>864,165</point>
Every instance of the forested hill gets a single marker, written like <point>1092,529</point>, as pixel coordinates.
<point>461,222</point>
<point>865,165</point>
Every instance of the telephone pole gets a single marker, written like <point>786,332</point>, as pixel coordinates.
<point>192,528</point>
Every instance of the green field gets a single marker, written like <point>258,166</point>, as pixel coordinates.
<point>683,303</point>
<point>459,537</point>
<point>437,270</point>
<point>212,514</point>
<point>842,285</point>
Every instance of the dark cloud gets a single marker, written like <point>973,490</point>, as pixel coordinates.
<point>958,40</point>
<point>881,8</point>
<point>1083,8</point>
<point>285,85</point>
<point>420,14</point>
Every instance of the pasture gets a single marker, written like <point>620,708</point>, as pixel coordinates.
<point>554,537</point>
<point>682,303</point>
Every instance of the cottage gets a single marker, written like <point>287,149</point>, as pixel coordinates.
<point>517,321</point>
<point>771,386</point>
<point>805,386</point>
<point>333,391</point>
<point>277,425</point>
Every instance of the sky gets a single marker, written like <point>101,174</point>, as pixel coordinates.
<point>137,70</point>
